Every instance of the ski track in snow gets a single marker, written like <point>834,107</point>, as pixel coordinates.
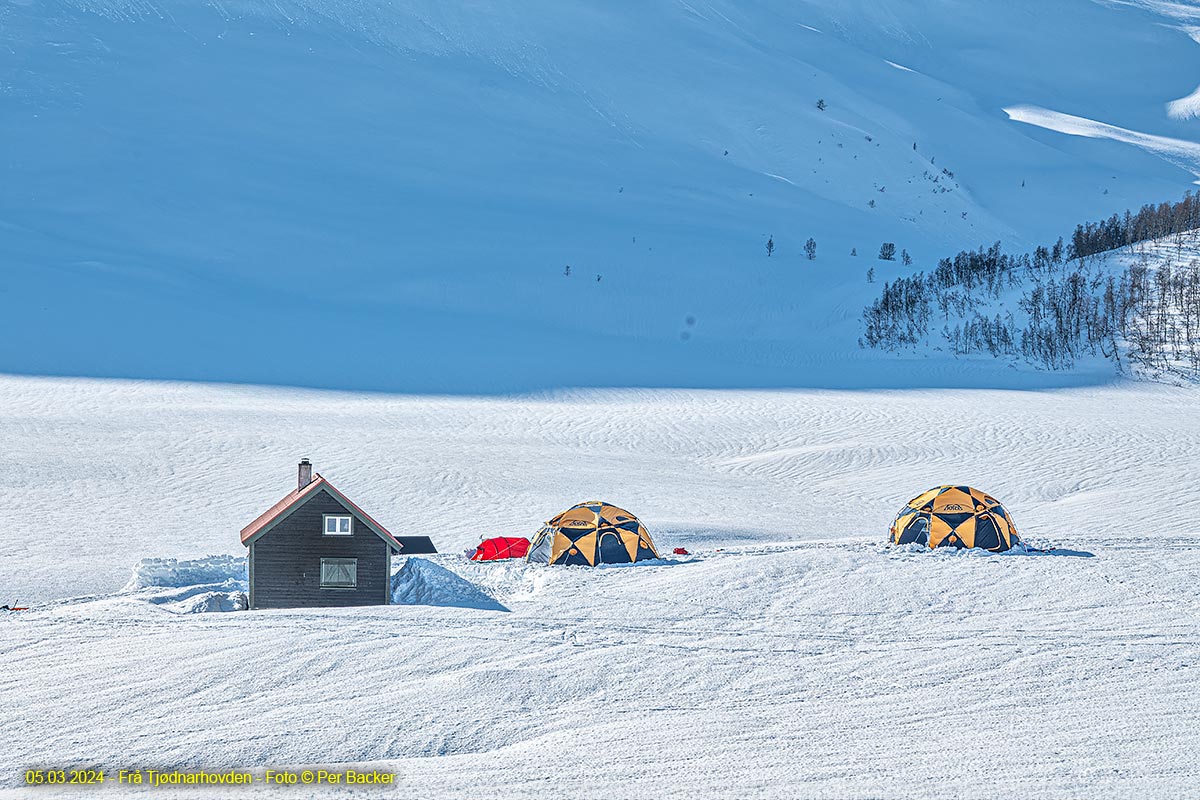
<point>793,654</point>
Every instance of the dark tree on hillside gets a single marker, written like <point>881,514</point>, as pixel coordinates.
<point>887,251</point>
<point>810,249</point>
<point>770,246</point>
<point>1149,222</point>
<point>821,104</point>
<point>854,251</point>
<point>871,275</point>
<point>905,258</point>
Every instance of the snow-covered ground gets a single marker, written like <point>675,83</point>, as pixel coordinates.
<point>792,654</point>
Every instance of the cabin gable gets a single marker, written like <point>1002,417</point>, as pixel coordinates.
<point>294,563</point>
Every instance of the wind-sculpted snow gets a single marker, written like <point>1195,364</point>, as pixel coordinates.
<point>835,668</point>
<point>144,470</point>
<point>1184,153</point>
<point>790,624</point>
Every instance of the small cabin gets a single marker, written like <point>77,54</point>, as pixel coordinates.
<point>316,548</point>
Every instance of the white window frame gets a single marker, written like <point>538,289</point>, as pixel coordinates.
<point>351,562</point>
<point>349,524</point>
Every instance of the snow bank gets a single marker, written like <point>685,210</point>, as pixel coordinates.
<point>202,602</point>
<point>212,583</point>
<point>508,581</point>
<point>422,583</point>
<point>173,572</point>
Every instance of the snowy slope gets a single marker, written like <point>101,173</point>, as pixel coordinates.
<point>1155,339</point>
<point>386,196</point>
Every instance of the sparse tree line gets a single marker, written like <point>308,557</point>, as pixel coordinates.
<point>1142,319</point>
<point>1151,222</point>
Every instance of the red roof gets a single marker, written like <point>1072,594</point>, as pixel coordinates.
<point>296,495</point>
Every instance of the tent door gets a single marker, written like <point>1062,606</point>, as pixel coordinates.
<point>612,550</point>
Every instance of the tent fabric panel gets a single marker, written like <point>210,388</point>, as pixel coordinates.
<point>562,544</point>
<point>912,529</point>
<point>965,531</point>
<point>541,546</point>
<point>953,501</point>
<point>586,545</point>
<point>939,531</point>
<point>575,518</point>
<point>925,498</point>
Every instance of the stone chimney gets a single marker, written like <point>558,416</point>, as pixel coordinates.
<point>305,476</point>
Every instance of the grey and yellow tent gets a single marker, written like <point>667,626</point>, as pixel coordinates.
<point>589,534</point>
<point>955,516</point>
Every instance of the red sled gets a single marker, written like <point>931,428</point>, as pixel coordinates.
<point>500,548</point>
<point>679,551</point>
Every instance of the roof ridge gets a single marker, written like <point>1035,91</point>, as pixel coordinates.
<point>290,499</point>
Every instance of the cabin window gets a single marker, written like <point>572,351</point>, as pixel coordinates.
<point>339,525</point>
<point>339,573</point>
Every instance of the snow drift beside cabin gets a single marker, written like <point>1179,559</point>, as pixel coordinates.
<point>212,583</point>
<point>422,583</point>
<point>173,572</point>
<point>219,583</point>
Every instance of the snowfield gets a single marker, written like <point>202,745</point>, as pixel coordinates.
<point>793,654</point>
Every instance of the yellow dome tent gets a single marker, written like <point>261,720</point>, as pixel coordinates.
<point>955,516</point>
<point>589,534</point>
